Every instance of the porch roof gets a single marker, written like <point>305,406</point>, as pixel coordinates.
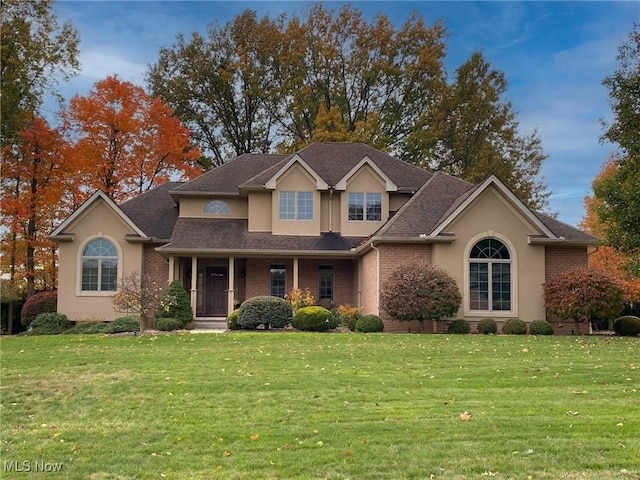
<point>210,235</point>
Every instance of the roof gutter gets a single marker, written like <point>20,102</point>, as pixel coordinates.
<point>255,252</point>
<point>562,241</point>
<point>422,238</point>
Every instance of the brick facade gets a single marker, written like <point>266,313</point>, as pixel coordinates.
<point>156,275</point>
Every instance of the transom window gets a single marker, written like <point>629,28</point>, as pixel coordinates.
<point>365,206</point>
<point>490,276</point>
<point>296,206</point>
<point>100,266</point>
<point>217,206</point>
<point>278,274</point>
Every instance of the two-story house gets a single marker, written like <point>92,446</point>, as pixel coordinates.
<point>336,218</point>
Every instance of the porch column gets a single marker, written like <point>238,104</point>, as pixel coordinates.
<point>194,284</point>
<point>295,273</point>
<point>172,266</point>
<point>231,291</point>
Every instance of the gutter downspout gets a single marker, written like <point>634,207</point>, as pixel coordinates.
<point>377,250</point>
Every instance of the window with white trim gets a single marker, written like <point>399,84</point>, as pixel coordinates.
<point>217,206</point>
<point>365,206</point>
<point>490,276</point>
<point>296,206</point>
<point>99,266</point>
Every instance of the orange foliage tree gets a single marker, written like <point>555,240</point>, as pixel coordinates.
<point>35,177</point>
<point>126,142</point>
<point>607,258</point>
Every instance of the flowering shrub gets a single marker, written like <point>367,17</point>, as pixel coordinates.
<point>420,291</point>
<point>583,295</point>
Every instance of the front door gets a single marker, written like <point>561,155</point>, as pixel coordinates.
<point>216,284</point>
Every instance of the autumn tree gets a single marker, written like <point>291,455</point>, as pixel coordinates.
<point>34,178</point>
<point>607,258</point>
<point>583,295</point>
<point>618,200</point>
<point>36,54</point>
<point>125,141</point>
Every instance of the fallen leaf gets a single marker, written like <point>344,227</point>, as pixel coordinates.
<point>465,416</point>
<point>254,437</point>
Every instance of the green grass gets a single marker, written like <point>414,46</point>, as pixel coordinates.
<point>321,406</point>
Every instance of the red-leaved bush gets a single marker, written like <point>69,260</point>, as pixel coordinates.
<point>583,295</point>
<point>420,291</point>
<point>42,302</point>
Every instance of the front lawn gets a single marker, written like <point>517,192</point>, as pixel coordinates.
<point>254,405</point>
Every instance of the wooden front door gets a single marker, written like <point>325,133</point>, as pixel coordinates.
<point>216,284</point>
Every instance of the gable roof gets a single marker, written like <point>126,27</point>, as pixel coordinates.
<point>332,162</point>
<point>60,234</point>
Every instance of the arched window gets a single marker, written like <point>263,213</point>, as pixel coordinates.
<point>490,276</point>
<point>217,206</point>
<point>100,266</point>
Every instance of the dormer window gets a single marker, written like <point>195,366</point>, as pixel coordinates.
<point>296,206</point>
<point>217,206</point>
<point>365,206</point>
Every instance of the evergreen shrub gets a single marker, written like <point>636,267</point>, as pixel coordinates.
<point>514,326</point>
<point>369,323</point>
<point>232,320</point>
<point>49,323</point>
<point>540,327</point>
<point>123,324</point>
<point>487,326</point>
<point>264,310</point>
<point>175,303</point>
<point>88,328</point>
<point>627,326</point>
<point>459,326</point>
<point>312,319</point>
<point>167,324</point>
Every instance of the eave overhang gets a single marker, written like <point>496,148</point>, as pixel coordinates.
<point>421,239</point>
<point>253,252</point>
<point>561,241</point>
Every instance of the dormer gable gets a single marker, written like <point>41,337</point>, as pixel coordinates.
<point>366,161</point>
<point>320,184</point>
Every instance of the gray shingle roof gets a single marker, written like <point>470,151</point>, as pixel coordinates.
<point>232,234</point>
<point>154,211</point>
<point>332,161</point>
<point>561,229</point>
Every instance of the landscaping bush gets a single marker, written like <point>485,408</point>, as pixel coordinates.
<point>88,328</point>
<point>347,315</point>
<point>167,324</point>
<point>49,323</point>
<point>514,326</point>
<point>312,319</point>
<point>175,303</point>
<point>420,291</point>
<point>269,311</point>
<point>123,324</point>
<point>540,327</point>
<point>369,323</point>
<point>232,320</point>
<point>43,302</point>
<point>459,326</point>
<point>487,325</point>
<point>627,326</point>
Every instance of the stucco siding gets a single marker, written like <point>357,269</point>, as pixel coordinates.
<point>296,179</point>
<point>193,207</point>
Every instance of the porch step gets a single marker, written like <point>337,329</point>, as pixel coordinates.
<point>210,324</point>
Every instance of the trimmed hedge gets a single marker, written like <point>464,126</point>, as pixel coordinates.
<point>487,326</point>
<point>459,326</point>
<point>123,324</point>
<point>514,326</point>
<point>269,311</point>
<point>369,323</point>
<point>540,327</point>
<point>312,319</point>
<point>627,326</point>
<point>49,323</point>
<point>42,302</point>
<point>88,328</point>
<point>167,324</point>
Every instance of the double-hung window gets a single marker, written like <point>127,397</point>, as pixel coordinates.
<point>278,274</point>
<point>365,206</point>
<point>296,206</point>
<point>490,276</point>
<point>326,280</point>
<point>99,266</point>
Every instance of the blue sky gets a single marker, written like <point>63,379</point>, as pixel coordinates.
<point>554,56</point>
